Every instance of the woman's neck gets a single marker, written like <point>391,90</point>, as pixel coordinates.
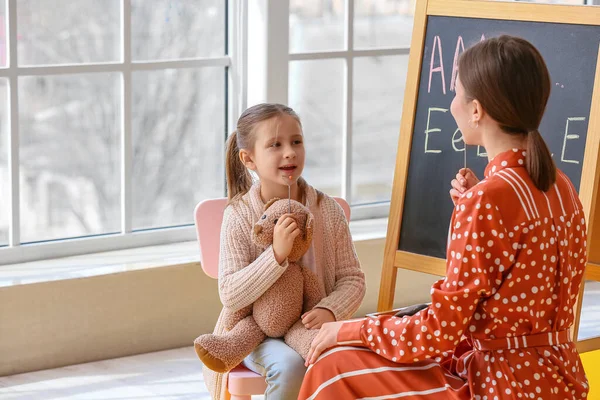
<point>268,192</point>
<point>497,142</point>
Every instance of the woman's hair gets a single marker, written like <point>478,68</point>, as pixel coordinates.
<point>239,179</point>
<point>509,77</point>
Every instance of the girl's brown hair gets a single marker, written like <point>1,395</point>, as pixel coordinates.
<point>239,179</point>
<point>509,77</point>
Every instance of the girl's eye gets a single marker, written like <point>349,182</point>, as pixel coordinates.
<point>276,144</point>
<point>297,141</point>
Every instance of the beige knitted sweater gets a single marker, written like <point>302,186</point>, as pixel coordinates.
<point>246,271</point>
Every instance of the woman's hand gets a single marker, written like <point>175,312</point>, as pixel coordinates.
<point>464,180</point>
<point>325,339</point>
<point>286,231</point>
<point>315,318</point>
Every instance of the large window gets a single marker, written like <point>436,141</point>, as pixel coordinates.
<point>114,113</point>
<point>348,62</point>
<point>113,118</point>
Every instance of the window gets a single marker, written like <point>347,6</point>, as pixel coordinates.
<point>348,63</point>
<point>115,115</point>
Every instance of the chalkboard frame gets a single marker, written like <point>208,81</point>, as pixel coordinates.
<point>395,259</point>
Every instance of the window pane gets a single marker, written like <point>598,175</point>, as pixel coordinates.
<point>4,177</point>
<point>179,143</point>
<point>589,324</point>
<point>70,155</point>
<point>316,25</point>
<point>3,35</point>
<point>316,93</point>
<point>383,23</point>
<point>377,109</point>
<point>174,29</point>
<point>68,32</point>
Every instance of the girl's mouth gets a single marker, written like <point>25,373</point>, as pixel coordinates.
<point>288,168</point>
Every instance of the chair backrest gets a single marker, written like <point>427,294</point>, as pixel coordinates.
<point>208,217</point>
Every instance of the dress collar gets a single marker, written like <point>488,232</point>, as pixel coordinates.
<point>509,159</point>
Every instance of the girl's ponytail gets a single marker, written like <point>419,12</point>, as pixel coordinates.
<point>239,180</point>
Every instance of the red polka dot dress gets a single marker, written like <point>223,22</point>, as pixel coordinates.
<point>498,323</point>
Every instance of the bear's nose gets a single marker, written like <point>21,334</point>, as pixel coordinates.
<point>257,229</point>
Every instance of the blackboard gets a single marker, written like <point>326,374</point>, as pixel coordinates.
<point>436,153</point>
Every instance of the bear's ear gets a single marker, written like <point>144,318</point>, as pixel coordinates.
<point>270,202</point>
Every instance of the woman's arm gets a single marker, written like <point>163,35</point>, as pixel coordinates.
<point>475,268</point>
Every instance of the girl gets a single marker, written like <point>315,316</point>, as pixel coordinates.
<point>498,324</point>
<point>270,142</point>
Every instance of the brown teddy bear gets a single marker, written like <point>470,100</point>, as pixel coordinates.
<point>277,312</point>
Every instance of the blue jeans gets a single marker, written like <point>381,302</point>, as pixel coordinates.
<point>281,366</point>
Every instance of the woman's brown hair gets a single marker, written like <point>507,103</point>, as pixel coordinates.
<point>239,179</point>
<point>509,77</point>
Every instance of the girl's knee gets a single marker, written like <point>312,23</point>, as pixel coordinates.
<point>292,369</point>
<point>284,380</point>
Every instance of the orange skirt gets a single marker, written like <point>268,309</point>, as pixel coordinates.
<point>358,373</point>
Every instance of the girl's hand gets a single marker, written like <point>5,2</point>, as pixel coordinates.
<point>325,339</point>
<point>314,319</point>
<point>465,180</point>
<point>286,231</point>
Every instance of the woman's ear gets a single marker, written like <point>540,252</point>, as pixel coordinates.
<point>246,159</point>
<point>477,111</point>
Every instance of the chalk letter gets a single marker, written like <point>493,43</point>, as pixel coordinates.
<point>569,137</point>
<point>440,69</point>
<point>460,139</point>
<point>428,131</point>
<point>479,153</point>
<point>459,44</point>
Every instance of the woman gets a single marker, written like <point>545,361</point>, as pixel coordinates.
<point>498,324</point>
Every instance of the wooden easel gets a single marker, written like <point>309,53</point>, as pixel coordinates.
<point>590,175</point>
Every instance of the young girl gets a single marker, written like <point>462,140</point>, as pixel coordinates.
<point>498,324</point>
<point>269,141</point>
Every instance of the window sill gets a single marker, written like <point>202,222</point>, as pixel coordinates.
<point>110,262</point>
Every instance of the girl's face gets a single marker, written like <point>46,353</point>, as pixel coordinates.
<point>466,114</point>
<point>278,151</point>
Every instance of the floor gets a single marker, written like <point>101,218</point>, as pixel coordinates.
<point>173,375</point>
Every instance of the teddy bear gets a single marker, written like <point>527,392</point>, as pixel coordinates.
<point>277,312</point>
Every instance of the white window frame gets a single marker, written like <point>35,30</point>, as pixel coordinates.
<point>234,61</point>
<point>269,77</point>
